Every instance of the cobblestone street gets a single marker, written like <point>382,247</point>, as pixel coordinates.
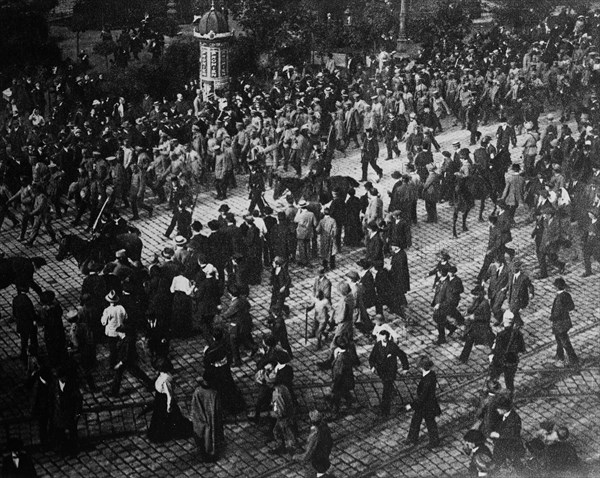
<point>112,430</point>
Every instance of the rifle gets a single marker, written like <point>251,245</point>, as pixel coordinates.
<point>108,196</point>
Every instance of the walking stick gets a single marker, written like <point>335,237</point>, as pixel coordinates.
<point>305,325</point>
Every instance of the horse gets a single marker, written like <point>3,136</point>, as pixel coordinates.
<point>100,249</point>
<point>19,271</point>
<point>468,189</point>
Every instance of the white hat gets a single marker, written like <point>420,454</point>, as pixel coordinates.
<point>112,297</point>
<point>180,241</point>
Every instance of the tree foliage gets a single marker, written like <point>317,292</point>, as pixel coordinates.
<point>281,28</point>
<point>522,14</point>
<point>175,68</point>
<point>25,38</point>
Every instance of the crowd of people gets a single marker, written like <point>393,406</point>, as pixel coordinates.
<point>67,146</point>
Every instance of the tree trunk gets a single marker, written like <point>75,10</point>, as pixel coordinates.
<point>77,44</point>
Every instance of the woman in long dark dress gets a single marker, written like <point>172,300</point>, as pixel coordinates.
<point>253,243</point>
<point>167,422</point>
<point>181,311</point>
<point>217,371</point>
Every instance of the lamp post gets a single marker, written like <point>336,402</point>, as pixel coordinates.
<point>404,47</point>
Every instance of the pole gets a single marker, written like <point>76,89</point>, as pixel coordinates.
<point>305,325</point>
<point>403,9</point>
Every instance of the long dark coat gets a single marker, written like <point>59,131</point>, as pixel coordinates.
<point>206,415</point>
<point>399,273</point>
<point>50,316</point>
<point>479,329</point>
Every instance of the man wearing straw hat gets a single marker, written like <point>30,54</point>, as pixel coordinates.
<point>112,318</point>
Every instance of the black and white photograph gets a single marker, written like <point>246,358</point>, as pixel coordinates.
<point>300,238</point>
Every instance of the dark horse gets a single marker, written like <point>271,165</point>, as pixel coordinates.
<point>313,188</point>
<point>468,190</point>
<point>19,271</point>
<point>100,249</point>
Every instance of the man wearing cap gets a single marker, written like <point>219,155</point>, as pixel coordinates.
<point>256,187</point>
<point>240,146</point>
<point>425,406</point>
<point>374,243</point>
<point>442,305</point>
<point>508,446</point>
<point>41,215</point>
<point>505,136</point>
<point>327,232</point>
<point>431,193</point>
<point>530,149</point>
<point>383,361</point>
<point>478,330</point>
<point>280,283</point>
<point>504,358</point>
<point>223,171</point>
<point>306,222</point>
<point>318,446</point>
<point>369,155</point>
<point>514,190</point>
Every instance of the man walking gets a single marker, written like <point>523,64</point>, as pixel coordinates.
<point>384,362</point>
<point>561,324</point>
<point>306,223</point>
<point>425,406</point>
<point>369,155</point>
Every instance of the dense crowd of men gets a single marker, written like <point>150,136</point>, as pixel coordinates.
<point>66,144</point>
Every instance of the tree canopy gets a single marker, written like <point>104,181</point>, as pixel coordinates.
<point>25,35</point>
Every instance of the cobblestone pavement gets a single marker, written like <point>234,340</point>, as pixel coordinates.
<point>113,429</point>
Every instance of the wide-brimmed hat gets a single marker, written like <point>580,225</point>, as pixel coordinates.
<point>71,315</point>
<point>180,241</point>
<point>167,253</point>
<point>302,203</point>
<point>112,297</point>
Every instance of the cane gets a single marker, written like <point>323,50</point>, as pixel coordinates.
<point>305,325</point>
